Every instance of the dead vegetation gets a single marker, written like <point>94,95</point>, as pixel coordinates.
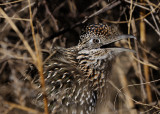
<point>30,28</point>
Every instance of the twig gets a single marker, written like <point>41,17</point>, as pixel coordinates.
<point>82,22</point>
<point>108,7</point>
<point>124,82</point>
<point>153,15</point>
<point>39,62</point>
<point>138,102</point>
<point>143,41</point>
<point>158,32</point>
<point>128,102</point>
<point>137,19</point>
<point>23,107</point>
<point>19,34</point>
<point>20,19</point>
<point>137,5</point>
<point>56,28</point>
<point>137,58</point>
<point>11,2</point>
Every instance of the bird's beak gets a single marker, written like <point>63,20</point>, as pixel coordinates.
<point>109,45</point>
<point>124,36</point>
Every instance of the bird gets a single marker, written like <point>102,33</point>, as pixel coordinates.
<point>75,77</point>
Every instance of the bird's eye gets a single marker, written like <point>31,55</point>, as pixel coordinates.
<point>96,41</point>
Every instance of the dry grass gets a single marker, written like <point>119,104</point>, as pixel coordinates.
<point>29,29</point>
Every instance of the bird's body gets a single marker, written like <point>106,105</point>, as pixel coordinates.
<point>75,77</point>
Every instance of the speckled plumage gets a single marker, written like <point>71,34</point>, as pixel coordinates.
<point>75,77</point>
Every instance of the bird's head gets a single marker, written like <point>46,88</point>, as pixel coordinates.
<point>98,39</point>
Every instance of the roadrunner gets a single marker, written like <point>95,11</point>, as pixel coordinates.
<point>75,77</point>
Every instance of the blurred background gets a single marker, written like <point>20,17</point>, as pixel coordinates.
<point>134,86</point>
